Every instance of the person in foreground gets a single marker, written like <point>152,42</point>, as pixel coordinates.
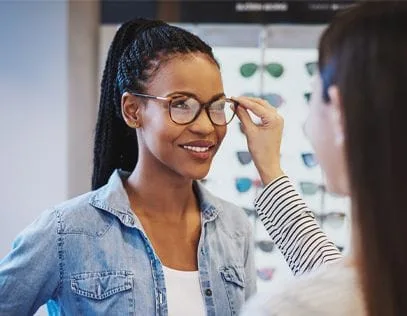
<point>149,239</point>
<point>356,125</point>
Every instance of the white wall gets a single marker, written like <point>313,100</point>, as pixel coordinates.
<point>33,112</point>
<point>48,94</point>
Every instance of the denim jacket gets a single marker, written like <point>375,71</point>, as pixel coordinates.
<point>90,256</point>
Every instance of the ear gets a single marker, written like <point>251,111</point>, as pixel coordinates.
<point>131,110</point>
<point>337,114</point>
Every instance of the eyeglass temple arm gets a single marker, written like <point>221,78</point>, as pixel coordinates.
<point>148,96</point>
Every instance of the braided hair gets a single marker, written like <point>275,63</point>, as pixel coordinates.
<point>138,49</point>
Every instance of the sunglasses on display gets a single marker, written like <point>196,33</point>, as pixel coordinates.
<point>311,188</point>
<point>335,219</point>
<point>309,159</point>
<point>311,67</point>
<point>244,157</point>
<point>340,248</point>
<point>186,109</point>
<point>307,96</point>
<point>265,274</point>
<point>244,184</point>
<point>250,212</point>
<point>274,69</point>
<point>265,245</point>
<point>275,99</point>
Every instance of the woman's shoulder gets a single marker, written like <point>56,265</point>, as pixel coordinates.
<point>332,290</point>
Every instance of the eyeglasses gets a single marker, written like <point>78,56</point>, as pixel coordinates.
<point>309,160</point>
<point>244,157</point>
<point>265,274</point>
<point>185,109</point>
<point>274,69</point>
<point>311,188</point>
<point>335,219</point>
<point>244,184</point>
<point>311,67</point>
<point>265,245</point>
<point>274,99</point>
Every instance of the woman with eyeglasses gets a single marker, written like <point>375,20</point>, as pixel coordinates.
<point>149,239</point>
<point>356,125</point>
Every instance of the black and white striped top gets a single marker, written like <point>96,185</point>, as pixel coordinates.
<point>293,227</point>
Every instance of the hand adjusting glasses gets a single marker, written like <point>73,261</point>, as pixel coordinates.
<point>185,109</point>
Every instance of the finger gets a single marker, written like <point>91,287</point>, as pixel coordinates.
<point>244,117</point>
<point>260,109</point>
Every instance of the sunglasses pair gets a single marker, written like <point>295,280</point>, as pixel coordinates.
<point>275,99</point>
<point>265,274</point>
<point>311,188</point>
<point>335,219</point>
<point>244,184</point>
<point>274,69</point>
<point>309,160</point>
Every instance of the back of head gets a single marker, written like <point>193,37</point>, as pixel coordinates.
<point>364,52</point>
<point>138,49</point>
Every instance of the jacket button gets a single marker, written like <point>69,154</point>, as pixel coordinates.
<point>208,292</point>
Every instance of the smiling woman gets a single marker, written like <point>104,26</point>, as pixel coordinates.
<point>149,239</point>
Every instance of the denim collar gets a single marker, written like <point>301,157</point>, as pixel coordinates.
<point>113,198</point>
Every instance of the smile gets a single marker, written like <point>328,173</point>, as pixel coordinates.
<point>196,149</point>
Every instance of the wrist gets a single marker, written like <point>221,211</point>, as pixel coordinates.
<point>269,175</point>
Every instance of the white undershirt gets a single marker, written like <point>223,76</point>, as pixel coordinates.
<point>184,295</point>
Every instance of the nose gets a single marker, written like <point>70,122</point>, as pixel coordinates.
<point>202,124</point>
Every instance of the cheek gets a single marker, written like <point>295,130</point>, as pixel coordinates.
<point>318,133</point>
<point>220,133</point>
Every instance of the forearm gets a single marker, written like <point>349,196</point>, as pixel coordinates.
<point>293,228</point>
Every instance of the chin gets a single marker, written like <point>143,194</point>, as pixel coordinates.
<point>198,174</point>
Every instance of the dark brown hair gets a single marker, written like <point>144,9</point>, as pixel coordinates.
<point>364,53</point>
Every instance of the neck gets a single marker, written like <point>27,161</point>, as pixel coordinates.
<point>163,193</point>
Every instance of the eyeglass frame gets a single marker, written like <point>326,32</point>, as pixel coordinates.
<point>201,106</point>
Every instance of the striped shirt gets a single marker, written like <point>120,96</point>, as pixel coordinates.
<point>293,227</point>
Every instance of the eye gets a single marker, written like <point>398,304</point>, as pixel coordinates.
<point>184,104</point>
<point>221,105</point>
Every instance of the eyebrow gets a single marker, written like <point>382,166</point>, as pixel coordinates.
<point>189,94</point>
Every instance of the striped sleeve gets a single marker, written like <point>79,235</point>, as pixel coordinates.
<point>293,227</point>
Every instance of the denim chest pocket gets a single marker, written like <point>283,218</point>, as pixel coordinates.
<point>234,280</point>
<point>103,293</point>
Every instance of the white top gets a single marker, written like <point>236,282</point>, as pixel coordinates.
<point>332,290</point>
<point>184,295</point>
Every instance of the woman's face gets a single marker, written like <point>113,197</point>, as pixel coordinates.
<point>186,150</point>
<point>324,129</point>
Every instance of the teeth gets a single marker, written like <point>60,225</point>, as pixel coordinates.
<point>197,149</point>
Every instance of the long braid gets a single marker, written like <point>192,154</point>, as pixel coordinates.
<point>137,51</point>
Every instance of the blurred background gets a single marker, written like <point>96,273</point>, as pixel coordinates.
<point>51,58</point>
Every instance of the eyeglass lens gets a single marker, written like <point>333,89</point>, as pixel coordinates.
<point>309,159</point>
<point>244,157</point>
<point>244,184</point>
<point>184,110</point>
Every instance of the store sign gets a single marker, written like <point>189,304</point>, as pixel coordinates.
<point>261,12</point>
